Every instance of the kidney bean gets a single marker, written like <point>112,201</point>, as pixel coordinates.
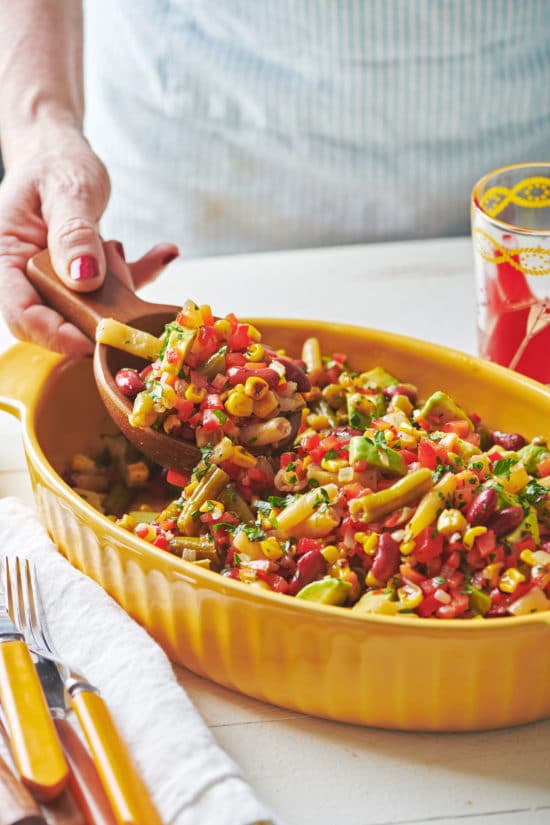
<point>386,560</point>
<point>508,441</point>
<point>238,375</point>
<point>482,506</point>
<point>309,567</point>
<point>295,373</point>
<point>403,389</point>
<point>129,382</point>
<point>505,520</point>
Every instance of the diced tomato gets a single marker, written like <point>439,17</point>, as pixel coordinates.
<point>239,338</point>
<point>456,607</point>
<point>431,454</point>
<point>235,359</point>
<point>211,421</point>
<point>277,583</point>
<point>486,544</point>
<point>460,427</point>
<point>408,456</point>
<point>161,542</point>
<point>543,467</point>
<point>427,545</point>
<point>428,606</point>
<point>286,459</point>
<point>184,408</point>
<point>177,478</point>
<point>214,401</point>
<point>305,545</point>
<point>411,574</point>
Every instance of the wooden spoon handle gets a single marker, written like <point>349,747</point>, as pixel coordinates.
<point>86,309</point>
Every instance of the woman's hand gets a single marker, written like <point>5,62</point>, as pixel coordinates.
<point>55,198</point>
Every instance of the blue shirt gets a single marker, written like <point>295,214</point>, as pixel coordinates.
<point>234,125</point>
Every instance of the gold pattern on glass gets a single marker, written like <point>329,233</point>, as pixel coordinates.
<point>531,260</point>
<point>531,193</point>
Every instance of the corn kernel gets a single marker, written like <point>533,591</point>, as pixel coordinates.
<point>195,394</point>
<point>256,387</point>
<point>266,405</point>
<point>239,404</point>
<point>255,352</point>
<point>369,542</point>
<point>271,548</point>
<point>510,580</point>
<point>528,557</point>
<point>332,465</point>
<point>410,595</point>
<point>317,421</point>
<point>254,333</point>
<point>406,547</point>
<point>210,505</point>
<point>471,535</point>
<point>170,423</point>
<point>492,573</point>
<point>451,521</point>
<point>242,458</point>
<point>330,553</point>
<point>372,581</point>
<point>223,328</point>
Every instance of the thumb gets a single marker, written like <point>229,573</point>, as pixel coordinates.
<point>73,238</point>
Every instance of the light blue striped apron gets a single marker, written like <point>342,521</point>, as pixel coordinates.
<point>235,125</point>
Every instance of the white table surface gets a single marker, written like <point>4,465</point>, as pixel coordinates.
<point>312,770</point>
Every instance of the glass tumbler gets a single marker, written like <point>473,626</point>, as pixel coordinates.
<point>510,213</point>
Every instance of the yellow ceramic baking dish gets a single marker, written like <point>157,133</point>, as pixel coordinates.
<point>396,672</point>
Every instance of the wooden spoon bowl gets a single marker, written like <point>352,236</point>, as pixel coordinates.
<point>85,310</point>
<point>115,300</point>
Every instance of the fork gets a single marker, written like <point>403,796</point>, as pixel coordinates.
<point>84,781</point>
<point>124,787</point>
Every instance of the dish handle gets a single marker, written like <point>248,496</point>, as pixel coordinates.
<point>24,369</point>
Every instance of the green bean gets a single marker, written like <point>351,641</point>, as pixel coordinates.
<point>235,503</point>
<point>209,487</point>
<point>214,365</point>
<point>203,547</point>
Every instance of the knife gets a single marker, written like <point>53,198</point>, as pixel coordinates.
<point>84,781</point>
<point>36,748</point>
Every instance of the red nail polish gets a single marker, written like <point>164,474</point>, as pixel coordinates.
<point>120,249</point>
<point>82,269</point>
<point>169,258</point>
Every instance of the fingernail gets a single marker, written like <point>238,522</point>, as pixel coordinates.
<point>169,258</point>
<point>120,249</point>
<point>85,268</point>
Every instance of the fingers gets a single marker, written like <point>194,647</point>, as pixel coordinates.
<point>72,204</point>
<point>29,320</point>
<point>152,263</point>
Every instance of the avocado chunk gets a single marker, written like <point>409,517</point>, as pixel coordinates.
<point>388,461</point>
<point>528,527</point>
<point>480,602</point>
<point>378,377</point>
<point>440,408</point>
<point>532,455</point>
<point>362,409</point>
<point>325,591</point>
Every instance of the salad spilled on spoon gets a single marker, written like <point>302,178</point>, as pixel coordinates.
<point>379,501</point>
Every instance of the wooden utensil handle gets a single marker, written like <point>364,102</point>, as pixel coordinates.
<point>85,309</point>
<point>84,781</point>
<point>63,811</point>
<point>17,807</point>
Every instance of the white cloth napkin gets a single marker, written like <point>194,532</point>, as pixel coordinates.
<point>191,780</point>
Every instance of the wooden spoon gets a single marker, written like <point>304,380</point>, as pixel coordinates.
<point>114,300</point>
<point>85,310</point>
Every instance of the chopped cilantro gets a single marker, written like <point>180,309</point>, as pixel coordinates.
<point>503,467</point>
<point>330,454</point>
<point>220,415</point>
